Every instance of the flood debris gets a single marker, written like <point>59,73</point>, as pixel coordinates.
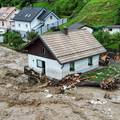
<point>98,101</point>
<point>108,84</point>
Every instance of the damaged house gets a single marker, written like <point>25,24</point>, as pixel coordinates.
<point>61,53</point>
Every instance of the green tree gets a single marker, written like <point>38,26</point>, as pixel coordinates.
<point>13,39</point>
<point>117,20</point>
<point>103,37</point>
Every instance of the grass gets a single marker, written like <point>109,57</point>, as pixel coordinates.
<point>92,12</point>
<point>104,73</point>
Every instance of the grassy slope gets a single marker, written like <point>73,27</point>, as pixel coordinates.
<point>99,12</point>
<point>95,12</point>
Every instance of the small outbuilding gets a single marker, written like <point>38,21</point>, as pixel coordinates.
<point>112,29</point>
<point>79,25</point>
<point>59,53</point>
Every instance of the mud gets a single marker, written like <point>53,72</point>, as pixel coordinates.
<point>19,101</point>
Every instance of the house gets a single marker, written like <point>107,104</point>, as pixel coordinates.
<point>30,18</point>
<point>6,14</point>
<point>112,29</point>
<point>79,25</point>
<point>61,53</point>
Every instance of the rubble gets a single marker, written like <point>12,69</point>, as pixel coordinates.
<point>108,84</point>
<point>98,101</point>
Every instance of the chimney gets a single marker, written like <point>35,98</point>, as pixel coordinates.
<point>66,31</point>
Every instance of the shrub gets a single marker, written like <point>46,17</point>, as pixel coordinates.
<point>31,35</point>
<point>13,39</point>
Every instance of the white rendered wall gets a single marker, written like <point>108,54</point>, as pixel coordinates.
<point>57,71</point>
<point>114,30</point>
<point>49,21</point>
<point>81,66</point>
<point>52,67</point>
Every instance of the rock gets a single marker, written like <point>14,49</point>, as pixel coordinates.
<point>49,95</point>
<point>8,85</point>
<point>98,102</point>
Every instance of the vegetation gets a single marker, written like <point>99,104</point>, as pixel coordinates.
<point>31,35</point>
<point>104,73</point>
<point>109,41</point>
<point>92,12</point>
<point>13,40</point>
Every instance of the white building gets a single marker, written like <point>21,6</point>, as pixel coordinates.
<point>112,29</point>
<point>6,14</point>
<point>61,53</point>
<point>30,18</point>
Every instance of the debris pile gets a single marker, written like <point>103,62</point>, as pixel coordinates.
<point>73,80</point>
<point>108,84</point>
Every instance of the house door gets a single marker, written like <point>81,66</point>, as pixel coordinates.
<point>43,68</point>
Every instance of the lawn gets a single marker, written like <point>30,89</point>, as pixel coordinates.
<point>104,73</point>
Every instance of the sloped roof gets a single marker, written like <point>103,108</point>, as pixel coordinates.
<point>5,12</point>
<point>27,14</point>
<point>113,26</point>
<point>76,45</point>
<point>44,15</point>
<point>77,25</point>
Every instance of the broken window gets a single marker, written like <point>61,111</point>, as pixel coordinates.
<point>72,66</point>
<point>90,61</point>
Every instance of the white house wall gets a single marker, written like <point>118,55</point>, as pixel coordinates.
<point>81,66</point>
<point>88,29</point>
<point>50,21</point>
<point>53,68</point>
<point>114,30</point>
<point>36,21</point>
<point>57,71</point>
<point>22,26</point>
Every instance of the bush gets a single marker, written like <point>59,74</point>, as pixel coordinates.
<point>109,41</point>
<point>13,39</point>
<point>31,35</point>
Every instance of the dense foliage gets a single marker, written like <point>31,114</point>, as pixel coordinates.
<point>92,12</point>
<point>31,35</point>
<point>14,40</point>
<point>109,41</point>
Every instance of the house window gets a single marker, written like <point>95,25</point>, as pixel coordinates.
<point>72,66</point>
<point>90,61</point>
<point>39,63</point>
<point>2,23</point>
<point>51,17</point>
<point>110,29</point>
<point>26,26</point>
<point>19,25</point>
<point>43,50</point>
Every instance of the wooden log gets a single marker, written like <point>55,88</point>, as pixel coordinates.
<point>88,83</point>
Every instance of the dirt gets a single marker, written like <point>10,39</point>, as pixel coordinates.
<point>19,101</point>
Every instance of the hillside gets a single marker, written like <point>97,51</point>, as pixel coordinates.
<point>93,12</point>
